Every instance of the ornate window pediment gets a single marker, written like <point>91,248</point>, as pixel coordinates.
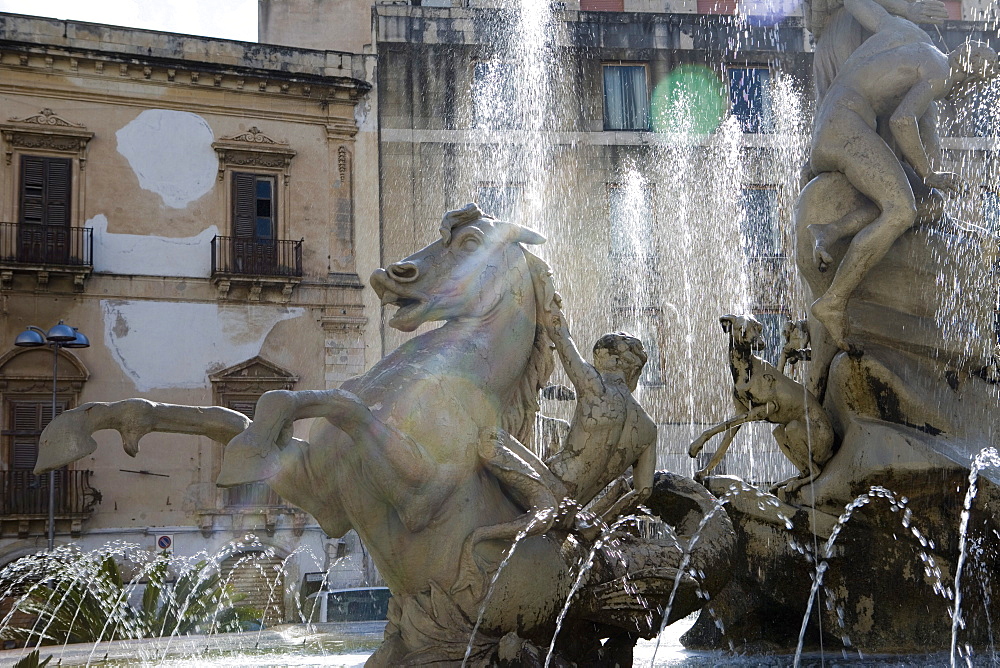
<point>253,149</point>
<point>45,131</point>
<point>29,371</point>
<point>252,377</point>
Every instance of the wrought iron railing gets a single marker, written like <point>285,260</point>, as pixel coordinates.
<point>25,243</point>
<point>23,493</point>
<point>256,257</point>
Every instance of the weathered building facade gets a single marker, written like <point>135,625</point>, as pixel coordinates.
<point>193,206</point>
<point>657,143</point>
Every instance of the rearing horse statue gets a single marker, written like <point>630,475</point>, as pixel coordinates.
<point>398,455</point>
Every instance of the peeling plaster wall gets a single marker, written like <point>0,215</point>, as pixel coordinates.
<point>164,344</point>
<point>148,255</point>
<point>171,154</point>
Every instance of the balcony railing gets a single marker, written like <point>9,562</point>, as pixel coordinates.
<point>256,257</point>
<point>25,494</point>
<point>56,245</point>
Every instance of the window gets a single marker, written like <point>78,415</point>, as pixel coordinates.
<point>27,419</point>
<point>254,254</point>
<point>238,388</point>
<point>759,222</point>
<point>750,98</point>
<point>44,210</point>
<point>726,7</point>
<point>47,155</point>
<point>626,101</point>
<point>647,326</point>
<point>501,201</point>
<point>990,207</point>
<point>773,10</point>
<point>25,375</point>
<point>981,111</point>
<point>631,215</point>
<point>254,224</point>
<point>493,106</point>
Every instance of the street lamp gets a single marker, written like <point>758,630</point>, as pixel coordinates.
<point>59,336</point>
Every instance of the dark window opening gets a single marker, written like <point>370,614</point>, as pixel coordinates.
<point>750,98</point>
<point>626,101</point>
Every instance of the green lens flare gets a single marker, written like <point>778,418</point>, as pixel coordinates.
<point>690,100</point>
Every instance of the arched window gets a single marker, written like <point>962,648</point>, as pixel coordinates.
<point>26,390</point>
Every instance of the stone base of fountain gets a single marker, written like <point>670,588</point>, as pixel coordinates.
<point>913,403</point>
<point>887,575</point>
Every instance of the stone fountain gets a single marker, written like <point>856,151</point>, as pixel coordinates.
<point>497,552</point>
<point>485,546</point>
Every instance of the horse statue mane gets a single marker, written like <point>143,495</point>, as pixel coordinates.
<point>519,419</point>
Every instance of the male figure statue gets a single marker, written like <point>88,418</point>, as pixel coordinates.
<point>897,74</point>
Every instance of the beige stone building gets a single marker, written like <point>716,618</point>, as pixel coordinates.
<point>205,212</point>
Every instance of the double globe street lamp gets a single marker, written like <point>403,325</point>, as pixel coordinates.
<point>59,336</point>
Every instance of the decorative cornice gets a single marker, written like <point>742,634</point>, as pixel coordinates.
<point>253,136</point>
<point>46,117</point>
<point>253,148</point>
<point>47,131</point>
<point>324,80</point>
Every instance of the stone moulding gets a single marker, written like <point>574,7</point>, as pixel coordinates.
<point>45,131</point>
<point>253,148</point>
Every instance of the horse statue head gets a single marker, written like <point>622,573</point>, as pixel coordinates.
<point>466,273</point>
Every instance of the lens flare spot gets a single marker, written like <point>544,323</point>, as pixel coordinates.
<point>690,100</point>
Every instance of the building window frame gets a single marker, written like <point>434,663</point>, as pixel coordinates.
<point>750,97</point>
<point>26,375</point>
<point>41,248</point>
<point>775,245</point>
<point>632,113</point>
<point>253,152</point>
<point>44,135</point>
<point>238,388</point>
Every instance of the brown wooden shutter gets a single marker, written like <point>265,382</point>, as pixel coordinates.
<point>261,579</point>
<point>244,205</point>
<point>45,190</point>
<point>27,419</point>
<point>32,190</point>
<point>57,191</point>
<point>245,406</point>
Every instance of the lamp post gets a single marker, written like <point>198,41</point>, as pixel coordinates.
<point>59,336</point>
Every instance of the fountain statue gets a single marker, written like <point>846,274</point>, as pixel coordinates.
<point>497,553</point>
<point>485,546</point>
<point>902,351</point>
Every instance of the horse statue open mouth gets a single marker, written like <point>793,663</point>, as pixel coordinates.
<point>421,454</point>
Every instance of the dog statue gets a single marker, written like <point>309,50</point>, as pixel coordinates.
<point>763,393</point>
